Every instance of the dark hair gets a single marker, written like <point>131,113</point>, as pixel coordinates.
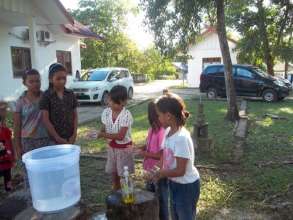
<point>153,116</point>
<point>118,94</point>
<point>30,72</point>
<point>165,91</point>
<point>54,68</point>
<point>174,105</point>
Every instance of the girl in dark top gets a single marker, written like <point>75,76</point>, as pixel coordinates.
<point>58,106</point>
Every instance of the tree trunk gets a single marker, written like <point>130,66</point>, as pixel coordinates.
<point>286,68</point>
<point>232,114</point>
<point>266,47</point>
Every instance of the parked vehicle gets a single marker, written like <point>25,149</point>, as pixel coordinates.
<point>248,81</point>
<point>96,84</point>
<point>290,78</point>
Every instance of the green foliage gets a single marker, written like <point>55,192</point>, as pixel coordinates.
<point>174,23</point>
<point>244,16</point>
<point>108,18</point>
<point>177,23</point>
<point>154,64</point>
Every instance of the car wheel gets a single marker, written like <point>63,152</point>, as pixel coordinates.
<point>212,93</point>
<point>104,100</point>
<point>130,93</point>
<point>269,95</point>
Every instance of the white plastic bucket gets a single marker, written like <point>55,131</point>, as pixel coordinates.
<point>54,178</point>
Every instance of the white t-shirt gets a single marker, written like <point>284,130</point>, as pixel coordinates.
<point>180,145</point>
<point>124,119</point>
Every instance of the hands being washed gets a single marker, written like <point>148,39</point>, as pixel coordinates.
<point>94,135</point>
<point>152,175</point>
<point>139,152</point>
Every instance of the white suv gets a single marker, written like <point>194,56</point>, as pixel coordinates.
<point>97,83</point>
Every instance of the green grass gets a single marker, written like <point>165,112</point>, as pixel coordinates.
<point>215,113</point>
<point>269,140</point>
<point>241,187</point>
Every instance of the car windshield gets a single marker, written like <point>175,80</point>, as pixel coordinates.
<point>260,72</point>
<point>98,75</point>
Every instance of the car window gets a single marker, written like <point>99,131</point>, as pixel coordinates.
<point>114,75</point>
<point>260,72</point>
<point>125,73</point>
<point>244,73</point>
<point>212,69</point>
<point>234,71</point>
<point>221,69</point>
<point>121,74</point>
<point>98,75</point>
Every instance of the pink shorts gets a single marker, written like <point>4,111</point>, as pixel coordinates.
<point>117,158</point>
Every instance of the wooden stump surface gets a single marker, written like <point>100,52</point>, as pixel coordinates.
<point>145,207</point>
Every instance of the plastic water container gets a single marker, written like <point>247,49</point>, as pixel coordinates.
<point>54,178</point>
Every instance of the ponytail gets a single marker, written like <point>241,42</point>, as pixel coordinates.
<point>184,117</point>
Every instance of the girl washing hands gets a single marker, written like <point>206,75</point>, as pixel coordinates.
<point>116,128</point>
<point>152,154</point>
<point>178,158</point>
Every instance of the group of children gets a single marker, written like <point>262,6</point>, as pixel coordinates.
<point>168,152</point>
<point>50,117</point>
<point>40,119</point>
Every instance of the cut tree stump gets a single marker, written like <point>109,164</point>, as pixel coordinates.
<point>145,207</point>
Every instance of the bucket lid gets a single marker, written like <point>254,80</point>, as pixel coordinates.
<point>29,155</point>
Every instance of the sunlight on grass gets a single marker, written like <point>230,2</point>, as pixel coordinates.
<point>139,137</point>
<point>215,193</point>
<point>267,122</point>
<point>287,110</point>
<point>222,110</point>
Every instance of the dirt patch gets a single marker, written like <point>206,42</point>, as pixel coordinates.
<point>235,214</point>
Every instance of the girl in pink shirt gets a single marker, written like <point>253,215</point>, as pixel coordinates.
<point>152,154</point>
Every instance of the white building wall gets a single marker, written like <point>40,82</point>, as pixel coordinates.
<point>6,77</point>
<point>11,87</point>
<point>207,48</point>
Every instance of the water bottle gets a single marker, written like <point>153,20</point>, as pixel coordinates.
<point>127,187</point>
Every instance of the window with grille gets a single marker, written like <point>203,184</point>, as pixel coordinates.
<point>64,57</point>
<point>21,60</point>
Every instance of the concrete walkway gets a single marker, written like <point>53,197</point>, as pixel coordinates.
<point>149,91</point>
<point>142,92</point>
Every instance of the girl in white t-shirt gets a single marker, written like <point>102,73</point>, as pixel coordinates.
<point>178,158</point>
<point>116,127</point>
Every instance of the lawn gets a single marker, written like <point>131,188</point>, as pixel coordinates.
<point>240,187</point>
<point>235,187</point>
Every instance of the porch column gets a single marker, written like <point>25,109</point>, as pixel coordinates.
<point>33,39</point>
